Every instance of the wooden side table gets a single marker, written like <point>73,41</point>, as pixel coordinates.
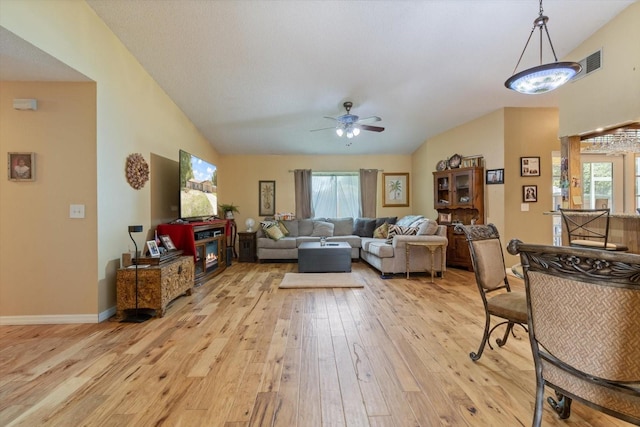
<point>247,246</point>
<point>432,247</point>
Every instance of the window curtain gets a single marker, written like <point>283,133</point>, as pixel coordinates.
<point>302,181</point>
<point>368,192</point>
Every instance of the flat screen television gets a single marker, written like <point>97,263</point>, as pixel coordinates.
<point>198,188</point>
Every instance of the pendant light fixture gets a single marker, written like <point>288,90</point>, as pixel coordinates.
<point>543,78</point>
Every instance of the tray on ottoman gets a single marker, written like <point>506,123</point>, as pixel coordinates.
<point>333,257</point>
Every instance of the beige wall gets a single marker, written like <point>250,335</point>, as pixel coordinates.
<point>528,132</point>
<point>239,176</point>
<point>610,95</point>
<point>132,114</point>
<point>502,137</point>
<point>47,259</point>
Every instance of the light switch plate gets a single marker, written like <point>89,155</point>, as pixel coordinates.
<point>76,211</point>
<point>524,207</point>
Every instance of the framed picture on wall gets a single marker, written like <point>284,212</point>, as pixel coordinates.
<point>267,198</point>
<point>395,190</point>
<point>529,193</point>
<point>529,166</point>
<point>21,166</point>
<point>495,176</point>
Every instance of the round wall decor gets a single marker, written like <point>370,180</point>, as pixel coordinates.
<point>137,170</point>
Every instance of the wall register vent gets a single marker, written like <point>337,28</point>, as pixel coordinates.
<point>589,64</point>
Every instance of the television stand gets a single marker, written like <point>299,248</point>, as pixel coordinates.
<point>206,241</point>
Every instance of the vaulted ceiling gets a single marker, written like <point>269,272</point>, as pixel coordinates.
<point>257,76</point>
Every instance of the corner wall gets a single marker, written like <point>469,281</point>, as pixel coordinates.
<point>132,114</point>
<point>46,258</point>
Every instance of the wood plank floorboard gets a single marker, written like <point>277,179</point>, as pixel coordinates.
<point>241,352</point>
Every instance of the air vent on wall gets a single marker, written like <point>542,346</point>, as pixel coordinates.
<point>590,64</point>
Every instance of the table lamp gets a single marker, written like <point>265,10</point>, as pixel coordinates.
<point>136,316</point>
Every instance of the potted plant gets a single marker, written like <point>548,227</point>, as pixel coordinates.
<point>228,210</point>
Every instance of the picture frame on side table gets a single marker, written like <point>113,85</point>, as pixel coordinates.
<point>444,218</point>
<point>167,242</point>
<point>495,176</point>
<point>529,193</point>
<point>154,251</point>
<point>21,166</point>
<point>395,189</point>
<point>529,166</point>
<point>267,198</point>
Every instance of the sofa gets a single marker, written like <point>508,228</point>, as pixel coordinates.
<point>381,242</point>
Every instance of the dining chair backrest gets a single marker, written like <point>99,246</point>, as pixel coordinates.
<point>584,310</point>
<point>586,227</point>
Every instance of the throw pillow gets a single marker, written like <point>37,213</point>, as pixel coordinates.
<point>267,223</point>
<point>381,232</point>
<point>406,221</point>
<point>283,228</point>
<point>274,232</point>
<point>398,230</point>
<point>341,226</point>
<point>389,220</point>
<point>364,227</point>
<point>322,229</point>
<point>428,228</point>
<point>292,227</point>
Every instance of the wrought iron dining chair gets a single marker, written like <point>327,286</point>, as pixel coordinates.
<point>584,311</point>
<point>491,277</point>
<point>589,228</point>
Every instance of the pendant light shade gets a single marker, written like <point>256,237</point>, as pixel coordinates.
<point>542,78</point>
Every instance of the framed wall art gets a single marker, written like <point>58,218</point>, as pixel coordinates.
<point>21,166</point>
<point>267,198</point>
<point>529,166</point>
<point>495,176</point>
<point>395,190</point>
<point>529,193</point>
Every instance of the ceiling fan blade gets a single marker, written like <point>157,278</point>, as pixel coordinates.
<point>370,119</point>
<point>330,118</point>
<point>372,128</point>
<point>314,130</point>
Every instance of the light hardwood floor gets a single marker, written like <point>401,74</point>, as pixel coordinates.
<point>241,352</point>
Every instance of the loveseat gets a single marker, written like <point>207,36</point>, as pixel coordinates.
<point>378,241</point>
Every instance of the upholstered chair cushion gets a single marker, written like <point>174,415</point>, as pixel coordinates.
<point>509,305</point>
<point>489,263</point>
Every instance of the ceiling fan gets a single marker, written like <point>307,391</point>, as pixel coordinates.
<point>350,124</point>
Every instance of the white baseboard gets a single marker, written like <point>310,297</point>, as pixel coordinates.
<point>105,315</point>
<point>57,318</point>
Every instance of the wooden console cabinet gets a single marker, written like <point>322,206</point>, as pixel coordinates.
<point>459,198</point>
<point>205,241</point>
<point>158,285</point>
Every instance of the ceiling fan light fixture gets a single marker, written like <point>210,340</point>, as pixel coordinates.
<point>339,132</point>
<point>356,131</point>
<point>542,78</point>
<point>349,134</point>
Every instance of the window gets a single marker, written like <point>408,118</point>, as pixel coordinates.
<point>602,179</point>
<point>335,194</point>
